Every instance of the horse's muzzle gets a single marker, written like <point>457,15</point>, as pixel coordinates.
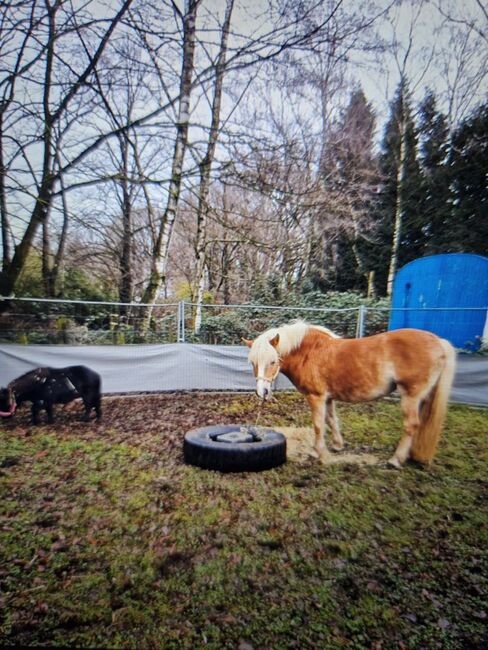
<point>263,389</point>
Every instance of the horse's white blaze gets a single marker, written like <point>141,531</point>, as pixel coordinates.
<point>263,388</point>
<point>265,376</point>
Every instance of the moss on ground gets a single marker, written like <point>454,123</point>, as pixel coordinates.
<point>108,539</point>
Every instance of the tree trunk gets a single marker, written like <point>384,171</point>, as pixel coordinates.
<point>161,248</point>
<point>51,262</point>
<point>397,228</point>
<point>125,260</point>
<point>371,286</point>
<point>46,261</point>
<point>206,168</point>
<point>59,256</point>
<point>5,225</point>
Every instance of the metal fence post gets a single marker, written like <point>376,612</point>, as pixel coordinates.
<point>181,321</point>
<point>360,323</point>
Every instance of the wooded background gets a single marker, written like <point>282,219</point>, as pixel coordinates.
<point>225,151</point>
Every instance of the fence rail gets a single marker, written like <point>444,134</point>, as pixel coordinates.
<point>51,321</point>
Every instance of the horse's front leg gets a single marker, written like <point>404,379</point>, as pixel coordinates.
<point>49,410</point>
<point>36,407</point>
<point>318,406</point>
<point>333,423</point>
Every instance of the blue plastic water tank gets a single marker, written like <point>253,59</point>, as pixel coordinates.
<point>447,280</point>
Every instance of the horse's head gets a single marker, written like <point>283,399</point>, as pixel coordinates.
<point>7,403</point>
<point>263,355</point>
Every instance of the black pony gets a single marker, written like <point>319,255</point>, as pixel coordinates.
<point>47,386</point>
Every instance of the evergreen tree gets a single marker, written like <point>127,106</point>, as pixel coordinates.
<point>468,165</point>
<point>434,207</point>
<point>351,180</point>
<point>400,234</point>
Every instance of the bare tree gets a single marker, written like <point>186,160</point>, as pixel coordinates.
<point>463,55</point>
<point>166,223</point>
<point>56,101</point>
<point>205,166</point>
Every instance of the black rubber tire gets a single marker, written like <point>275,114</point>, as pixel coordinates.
<point>202,448</point>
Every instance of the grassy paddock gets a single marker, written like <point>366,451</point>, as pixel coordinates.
<point>108,539</point>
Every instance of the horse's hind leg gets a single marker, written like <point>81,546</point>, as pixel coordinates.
<point>97,406</point>
<point>87,405</point>
<point>333,423</point>
<point>319,409</point>
<point>91,400</point>
<point>411,421</point>
<point>86,415</point>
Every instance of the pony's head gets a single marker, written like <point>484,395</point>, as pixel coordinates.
<point>7,403</point>
<point>265,360</point>
<point>270,349</point>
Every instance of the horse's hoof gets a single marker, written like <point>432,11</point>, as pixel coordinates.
<point>394,463</point>
<point>336,448</point>
<point>325,458</point>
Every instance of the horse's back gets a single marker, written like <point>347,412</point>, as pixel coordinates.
<point>83,377</point>
<point>373,366</point>
<point>409,342</point>
<point>83,373</point>
<point>417,356</point>
<point>406,342</point>
<point>34,382</point>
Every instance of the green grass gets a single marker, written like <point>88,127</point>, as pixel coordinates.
<point>108,539</point>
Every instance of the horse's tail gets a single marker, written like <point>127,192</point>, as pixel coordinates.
<point>434,409</point>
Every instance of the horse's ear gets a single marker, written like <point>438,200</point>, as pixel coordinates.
<point>247,342</point>
<point>275,340</point>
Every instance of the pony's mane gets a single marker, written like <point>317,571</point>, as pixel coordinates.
<point>291,335</point>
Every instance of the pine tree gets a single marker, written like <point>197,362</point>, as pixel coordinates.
<point>351,182</point>
<point>468,165</point>
<point>400,235</point>
<point>434,207</point>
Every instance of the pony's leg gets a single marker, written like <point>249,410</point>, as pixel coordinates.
<point>86,398</point>
<point>49,410</point>
<point>333,423</point>
<point>36,406</point>
<point>318,406</point>
<point>411,421</point>
<point>98,408</point>
<point>86,415</point>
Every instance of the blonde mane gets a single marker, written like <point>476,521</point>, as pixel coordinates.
<point>291,336</point>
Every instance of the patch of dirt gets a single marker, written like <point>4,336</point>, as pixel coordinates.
<point>158,422</point>
<point>155,422</point>
<point>300,448</point>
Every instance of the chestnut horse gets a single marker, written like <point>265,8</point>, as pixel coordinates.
<point>325,367</point>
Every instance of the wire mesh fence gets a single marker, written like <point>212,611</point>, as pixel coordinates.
<point>45,321</point>
<point>227,324</point>
<point>76,322</point>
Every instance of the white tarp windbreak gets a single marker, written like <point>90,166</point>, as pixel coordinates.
<point>185,366</point>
